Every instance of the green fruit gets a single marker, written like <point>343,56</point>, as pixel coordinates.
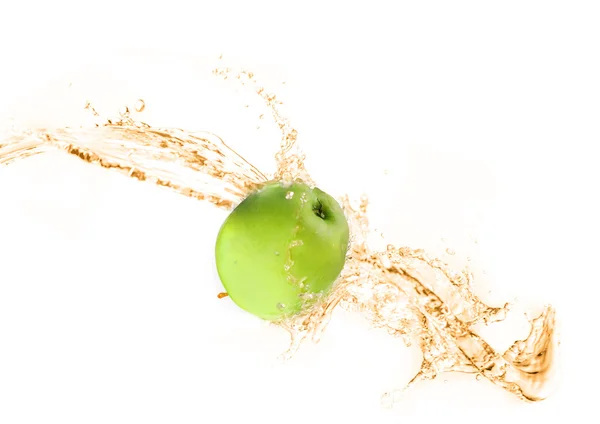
<point>282,245</point>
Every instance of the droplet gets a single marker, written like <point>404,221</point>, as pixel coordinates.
<point>387,400</point>
<point>281,306</point>
<point>289,195</point>
<point>450,251</point>
<point>140,105</point>
<point>276,253</point>
<point>478,377</point>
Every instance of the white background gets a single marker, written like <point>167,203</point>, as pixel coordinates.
<point>461,120</point>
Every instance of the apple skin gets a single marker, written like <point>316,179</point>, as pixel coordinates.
<point>281,243</point>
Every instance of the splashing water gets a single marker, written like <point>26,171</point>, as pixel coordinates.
<point>401,290</point>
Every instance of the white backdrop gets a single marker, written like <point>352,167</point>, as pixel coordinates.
<point>460,122</point>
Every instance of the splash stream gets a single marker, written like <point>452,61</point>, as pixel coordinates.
<point>402,290</point>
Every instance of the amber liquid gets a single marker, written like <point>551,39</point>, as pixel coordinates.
<point>402,290</point>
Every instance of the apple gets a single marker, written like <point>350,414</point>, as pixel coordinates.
<point>280,247</point>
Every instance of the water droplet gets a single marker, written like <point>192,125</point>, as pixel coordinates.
<point>450,251</point>
<point>140,105</point>
<point>289,195</point>
<point>478,377</point>
<point>281,306</point>
<point>276,253</point>
<point>387,400</point>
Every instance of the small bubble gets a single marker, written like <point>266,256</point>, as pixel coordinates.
<point>140,105</point>
<point>281,306</point>
<point>276,253</point>
<point>289,195</point>
<point>450,251</point>
<point>478,377</point>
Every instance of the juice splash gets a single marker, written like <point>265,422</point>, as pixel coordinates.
<point>402,290</point>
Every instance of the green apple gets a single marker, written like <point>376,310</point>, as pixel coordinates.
<point>280,247</point>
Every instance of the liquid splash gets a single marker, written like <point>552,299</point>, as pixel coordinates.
<point>195,164</point>
<point>402,290</point>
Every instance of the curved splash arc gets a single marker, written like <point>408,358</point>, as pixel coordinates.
<point>195,164</point>
<point>419,298</point>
